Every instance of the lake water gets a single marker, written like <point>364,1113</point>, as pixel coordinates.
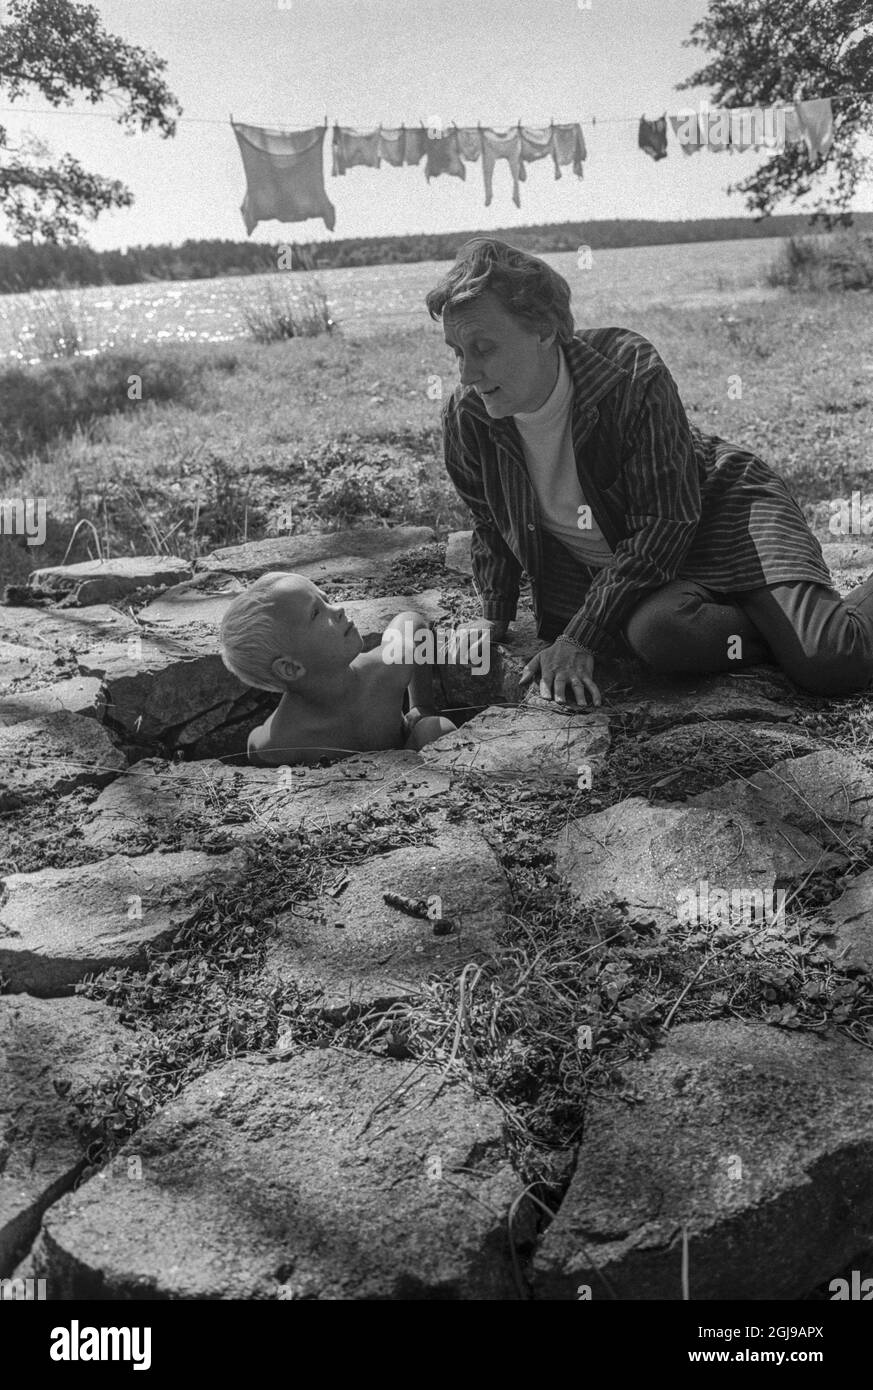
<point>367,299</point>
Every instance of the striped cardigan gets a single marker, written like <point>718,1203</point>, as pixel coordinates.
<point>671,501</point>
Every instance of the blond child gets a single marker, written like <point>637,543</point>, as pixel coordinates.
<point>337,699</point>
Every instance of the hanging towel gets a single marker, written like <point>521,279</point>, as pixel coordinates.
<point>443,156</point>
<point>653,137</point>
<point>469,142</point>
<point>506,145</point>
<point>415,145</point>
<point>686,128</point>
<point>536,142</point>
<point>716,126</point>
<point>284,176</point>
<point>793,133</point>
<point>352,147</point>
<point>392,145</point>
<point>568,147</point>
<point>816,121</point>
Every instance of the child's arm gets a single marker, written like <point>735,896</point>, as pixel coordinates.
<point>400,645</point>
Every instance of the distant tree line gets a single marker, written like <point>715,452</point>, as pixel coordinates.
<point>32,266</point>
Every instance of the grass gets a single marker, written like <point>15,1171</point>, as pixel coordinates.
<point>321,432</point>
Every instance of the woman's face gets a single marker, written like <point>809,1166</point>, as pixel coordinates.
<point>511,366</point>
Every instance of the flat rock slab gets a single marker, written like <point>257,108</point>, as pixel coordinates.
<point>64,630</point>
<point>363,951</point>
<point>200,602</point>
<point>101,581</point>
<point>59,925</point>
<point>264,1182</point>
<point>51,1053</point>
<point>848,555</point>
<point>154,797</point>
<point>357,551</point>
<point>81,695</point>
<point>652,857</point>
<point>852,915</point>
<point>53,754</point>
<point>657,704</point>
<point>458,552</point>
<point>523,743</point>
<point>828,794</point>
<point>756,1142</point>
<point>158,685</point>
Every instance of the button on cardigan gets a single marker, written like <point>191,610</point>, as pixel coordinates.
<point>671,501</point>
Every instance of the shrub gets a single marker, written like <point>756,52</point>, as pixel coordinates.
<point>843,261</point>
<point>38,404</point>
<point>276,316</point>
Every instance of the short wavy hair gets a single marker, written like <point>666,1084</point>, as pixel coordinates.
<point>248,641</point>
<point>526,287</point>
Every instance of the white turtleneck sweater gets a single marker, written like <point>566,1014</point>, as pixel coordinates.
<point>547,439</point>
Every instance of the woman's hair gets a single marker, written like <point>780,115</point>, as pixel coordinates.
<point>248,643</point>
<point>526,287</point>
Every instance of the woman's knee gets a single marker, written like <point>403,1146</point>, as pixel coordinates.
<point>655,630</point>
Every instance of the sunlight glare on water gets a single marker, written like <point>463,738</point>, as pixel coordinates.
<point>365,299</point>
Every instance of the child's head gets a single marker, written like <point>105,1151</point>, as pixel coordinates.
<point>281,629</point>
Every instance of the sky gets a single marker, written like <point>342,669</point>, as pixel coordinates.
<point>365,62</point>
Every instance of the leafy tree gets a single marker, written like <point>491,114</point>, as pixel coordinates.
<point>772,51</point>
<point>61,50</point>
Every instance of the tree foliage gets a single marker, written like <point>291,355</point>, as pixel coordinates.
<point>773,51</point>
<point>61,50</point>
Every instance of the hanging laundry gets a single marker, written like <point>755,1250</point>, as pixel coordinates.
<point>716,127</point>
<point>392,145</point>
<point>816,121</point>
<point>653,137</point>
<point>415,145</point>
<point>284,176</point>
<point>502,145</point>
<point>352,147</point>
<point>568,147</point>
<point>686,128</point>
<point>469,142</point>
<point>793,133</point>
<point>537,142</point>
<point>443,156</point>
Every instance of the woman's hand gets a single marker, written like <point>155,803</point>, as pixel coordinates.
<point>560,665</point>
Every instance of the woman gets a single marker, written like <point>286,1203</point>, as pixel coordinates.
<point>575,456</point>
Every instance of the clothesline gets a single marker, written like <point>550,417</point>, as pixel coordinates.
<point>285,124</point>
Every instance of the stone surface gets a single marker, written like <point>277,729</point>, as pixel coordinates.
<point>51,1052</point>
<point>101,581</point>
<point>200,602</point>
<point>266,1181</point>
<point>458,556</point>
<point>852,915</point>
<point>53,754</point>
<point>59,925</point>
<point>757,1142</point>
<point>379,952</point>
<point>657,704</point>
<point>357,551</point>
<point>64,630</point>
<point>648,856</point>
<point>827,793</point>
<point>847,555</point>
<point>157,685</point>
<point>523,743</point>
<point>151,800</point>
<point>81,695</point>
